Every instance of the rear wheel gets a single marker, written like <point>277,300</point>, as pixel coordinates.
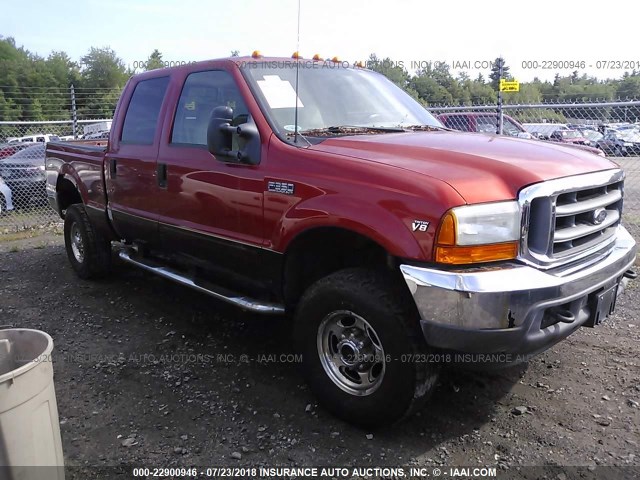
<point>364,355</point>
<point>88,252</point>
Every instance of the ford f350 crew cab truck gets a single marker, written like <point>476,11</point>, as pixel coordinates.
<point>393,242</point>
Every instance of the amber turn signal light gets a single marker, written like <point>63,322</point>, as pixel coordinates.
<point>476,253</point>
<point>447,231</point>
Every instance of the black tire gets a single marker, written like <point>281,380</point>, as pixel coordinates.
<point>407,379</point>
<point>92,258</point>
<point>3,205</point>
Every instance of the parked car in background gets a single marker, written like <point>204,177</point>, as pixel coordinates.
<point>6,198</point>
<point>543,131</point>
<point>621,143</point>
<point>572,137</point>
<point>97,128</point>
<point>8,149</point>
<point>39,137</point>
<point>626,126</point>
<point>24,173</point>
<point>592,135</point>
<point>486,123</point>
<point>482,123</point>
<point>97,135</point>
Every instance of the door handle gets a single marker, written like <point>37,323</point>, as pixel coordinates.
<point>113,167</point>
<point>162,175</point>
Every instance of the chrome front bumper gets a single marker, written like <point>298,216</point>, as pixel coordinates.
<point>501,309</point>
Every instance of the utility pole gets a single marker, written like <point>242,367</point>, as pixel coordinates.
<point>74,113</point>
<point>500,118</point>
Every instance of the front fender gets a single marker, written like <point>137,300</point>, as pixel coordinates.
<point>386,223</point>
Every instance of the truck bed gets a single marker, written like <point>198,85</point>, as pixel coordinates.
<point>79,146</point>
<point>79,162</point>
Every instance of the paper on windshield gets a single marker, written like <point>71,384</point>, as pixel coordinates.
<point>279,93</point>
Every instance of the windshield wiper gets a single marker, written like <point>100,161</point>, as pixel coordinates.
<point>347,130</point>
<point>427,128</point>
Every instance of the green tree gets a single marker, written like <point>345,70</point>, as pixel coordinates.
<point>429,91</point>
<point>103,76</point>
<point>494,76</point>
<point>154,61</point>
<point>529,93</point>
<point>480,93</point>
<point>33,110</point>
<point>629,87</point>
<point>391,69</point>
<point>102,68</point>
<point>435,85</point>
<point>8,109</point>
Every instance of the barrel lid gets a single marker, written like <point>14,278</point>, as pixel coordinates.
<point>24,347</point>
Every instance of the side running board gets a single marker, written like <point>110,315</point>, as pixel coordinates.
<point>214,291</point>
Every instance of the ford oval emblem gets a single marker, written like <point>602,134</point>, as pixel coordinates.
<point>598,216</point>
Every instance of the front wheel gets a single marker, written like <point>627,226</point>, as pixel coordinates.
<point>364,355</point>
<point>89,252</point>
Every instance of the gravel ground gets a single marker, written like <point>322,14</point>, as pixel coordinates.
<point>151,373</point>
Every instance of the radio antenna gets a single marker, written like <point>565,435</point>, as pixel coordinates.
<point>295,114</point>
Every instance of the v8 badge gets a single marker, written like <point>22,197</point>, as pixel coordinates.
<point>419,225</point>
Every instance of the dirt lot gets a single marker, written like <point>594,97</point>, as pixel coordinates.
<point>153,374</point>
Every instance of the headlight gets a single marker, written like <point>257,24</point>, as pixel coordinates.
<point>479,233</point>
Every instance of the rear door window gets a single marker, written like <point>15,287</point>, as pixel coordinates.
<point>141,119</point>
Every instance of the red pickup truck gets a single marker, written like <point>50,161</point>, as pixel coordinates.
<point>395,244</point>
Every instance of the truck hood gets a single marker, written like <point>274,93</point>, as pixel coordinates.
<point>481,168</point>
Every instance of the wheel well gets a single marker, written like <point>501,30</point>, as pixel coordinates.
<point>322,251</point>
<point>67,193</point>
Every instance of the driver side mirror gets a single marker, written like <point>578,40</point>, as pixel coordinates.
<point>228,138</point>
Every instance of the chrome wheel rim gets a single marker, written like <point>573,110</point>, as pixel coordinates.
<point>351,353</point>
<point>77,247</point>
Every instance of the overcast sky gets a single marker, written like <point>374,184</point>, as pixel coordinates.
<point>463,32</point>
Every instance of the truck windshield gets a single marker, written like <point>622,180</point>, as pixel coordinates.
<point>332,96</point>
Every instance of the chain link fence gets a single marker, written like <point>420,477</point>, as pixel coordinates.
<point>611,128</point>
<point>23,200</point>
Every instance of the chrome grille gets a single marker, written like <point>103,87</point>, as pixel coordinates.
<point>585,218</point>
<point>570,218</point>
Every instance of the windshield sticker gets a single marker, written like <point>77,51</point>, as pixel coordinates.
<point>279,93</point>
